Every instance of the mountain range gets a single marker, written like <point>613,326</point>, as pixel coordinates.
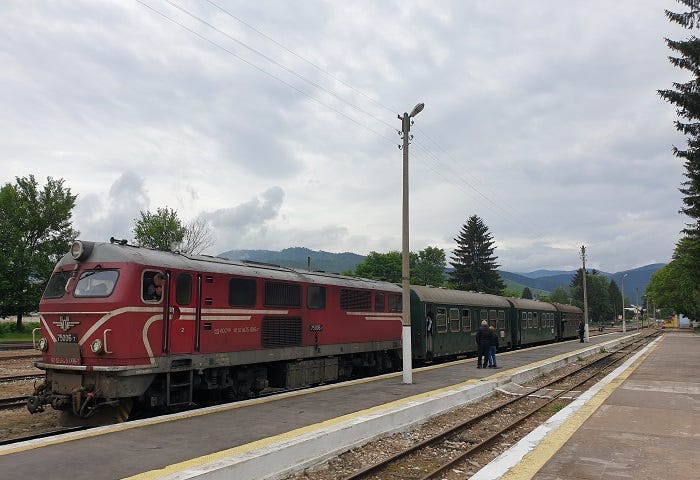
<point>538,280</point>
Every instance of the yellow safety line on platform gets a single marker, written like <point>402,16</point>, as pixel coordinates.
<point>534,460</point>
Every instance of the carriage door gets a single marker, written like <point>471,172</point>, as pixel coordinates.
<point>181,321</point>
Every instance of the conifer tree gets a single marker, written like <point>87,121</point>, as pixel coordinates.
<point>473,260</point>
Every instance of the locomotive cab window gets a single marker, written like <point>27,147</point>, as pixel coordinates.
<point>96,283</point>
<point>152,287</point>
<point>56,287</point>
<point>395,304</point>
<point>316,297</point>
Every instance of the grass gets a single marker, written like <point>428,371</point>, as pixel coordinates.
<point>10,333</point>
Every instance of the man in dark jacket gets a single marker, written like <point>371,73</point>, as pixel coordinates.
<point>483,339</point>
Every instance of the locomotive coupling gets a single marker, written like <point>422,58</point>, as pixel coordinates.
<point>36,402</point>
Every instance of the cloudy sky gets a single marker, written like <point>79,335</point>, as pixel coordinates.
<point>276,121</point>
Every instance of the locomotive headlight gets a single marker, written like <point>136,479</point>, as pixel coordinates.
<point>43,344</point>
<point>96,346</point>
<point>81,250</point>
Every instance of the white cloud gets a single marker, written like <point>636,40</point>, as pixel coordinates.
<point>541,117</point>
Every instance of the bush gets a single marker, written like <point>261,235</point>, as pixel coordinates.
<point>10,332</point>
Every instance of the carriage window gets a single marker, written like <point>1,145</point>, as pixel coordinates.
<point>242,292</point>
<point>395,303</point>
<point>534,320</point>
<point>501,320</point>
<point>523,317</point>
<point>57,285</point>
<point>183,289</point>
<point>454,319</point>
<point>529,319</point>
<point>96,283</point>
<point>355,299</point>
<point>466,321</point>
<point>441,320</point>
<point>316,297</point>
<point>278,294</point>
<point>379,302</point>
<point>492,318</point>
<point>484,314</point>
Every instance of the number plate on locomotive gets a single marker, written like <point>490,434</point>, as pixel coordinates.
<point>66,337</point>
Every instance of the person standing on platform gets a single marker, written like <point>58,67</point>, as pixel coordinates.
<point>429,335</point>
<point>483,340</point>
<point>581,330</point>
<point>493,347</point>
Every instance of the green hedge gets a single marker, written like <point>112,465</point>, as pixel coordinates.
<point>9,331</point>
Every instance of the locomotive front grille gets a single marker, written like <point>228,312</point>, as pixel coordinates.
<point>279,332</point>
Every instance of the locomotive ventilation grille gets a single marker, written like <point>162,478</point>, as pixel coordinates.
<point>281,332</point>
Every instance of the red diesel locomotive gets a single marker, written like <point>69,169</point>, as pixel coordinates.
<point>220,330</point>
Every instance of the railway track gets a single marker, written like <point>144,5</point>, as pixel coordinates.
<point>15,346</point>
<point>16,378</point>
<point>13,402</point>
<point>452,448</point>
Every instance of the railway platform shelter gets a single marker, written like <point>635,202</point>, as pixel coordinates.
<point>268,437</point>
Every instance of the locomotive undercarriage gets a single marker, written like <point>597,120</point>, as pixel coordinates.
<point>183,383</point>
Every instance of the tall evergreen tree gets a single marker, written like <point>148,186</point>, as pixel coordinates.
<point>526,293</point>
<point>473,260</point>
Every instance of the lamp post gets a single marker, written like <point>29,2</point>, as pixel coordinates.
<point>405,274</point>
<point>624,326</point>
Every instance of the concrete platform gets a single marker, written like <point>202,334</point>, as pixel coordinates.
<point>641,422</point>
<point>273,436</point>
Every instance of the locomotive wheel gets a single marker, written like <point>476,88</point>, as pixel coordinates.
<point>105,415</point>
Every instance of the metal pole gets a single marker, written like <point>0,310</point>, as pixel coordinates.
<point>624,326</point>
<point>585,297</point>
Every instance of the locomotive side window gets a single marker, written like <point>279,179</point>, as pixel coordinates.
<point>56,286</point>
<point>454,319</point>
<point>280,294</point>
<point>355,299</point>
<point>96,283</point>
<point>183,289</point>
<point>441,320</point>
<point>316,297</point>
<point>242,292</point>
<point>466,321</point>
<point>395,304</point>
<point>379,302</point>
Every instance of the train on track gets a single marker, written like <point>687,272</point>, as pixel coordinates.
<point>221,330</point>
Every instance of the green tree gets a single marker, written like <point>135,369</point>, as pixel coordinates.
<point>560,295</point>
<point>35,231</point>
<point>473,260</point>
<point>429,268</point>
<point>381,266</point>
<point>162,230</point>
<point>598,292</point>
<point>526,293</point>
<point>685,97</point>
<point>615,298</point>
<point>676,286</point>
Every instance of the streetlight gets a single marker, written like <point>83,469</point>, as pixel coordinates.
<point>624,326</point>
<point>405,274</point>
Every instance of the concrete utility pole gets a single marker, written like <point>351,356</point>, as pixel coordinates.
<point>586,336</point>
<point>624,326</point>
<point>405,273</point>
